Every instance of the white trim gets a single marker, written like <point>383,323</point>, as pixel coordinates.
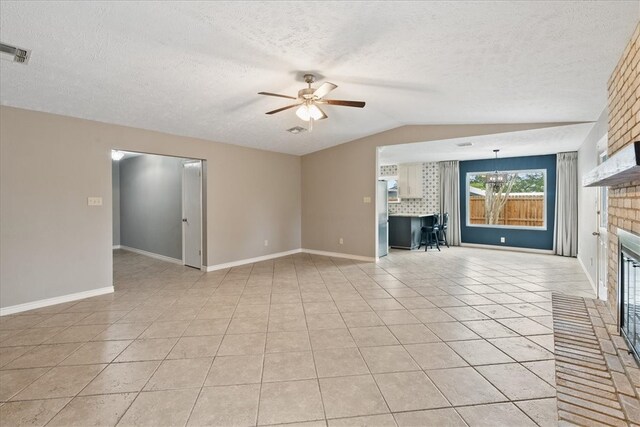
<point>152,255</point>
<point>544,227</point>
<point>251,260</point>
<point>184,237</point>
<point>283,254</point>
<point>55,300</point>
<point>116,247</point>
<point>586,272</point>
<point>340,255</point>
<point>508,248</point>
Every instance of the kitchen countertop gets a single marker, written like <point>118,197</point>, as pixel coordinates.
<point>411,215</point>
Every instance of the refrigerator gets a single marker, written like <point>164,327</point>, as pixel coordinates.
<point>383,218</point>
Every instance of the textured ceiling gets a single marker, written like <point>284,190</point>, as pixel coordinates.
<point>511,144</point>
<point>194,68</point>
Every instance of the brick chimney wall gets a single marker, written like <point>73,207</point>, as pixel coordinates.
<point>624,128</point>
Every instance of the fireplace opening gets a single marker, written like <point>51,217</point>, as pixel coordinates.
<point>629,280</point>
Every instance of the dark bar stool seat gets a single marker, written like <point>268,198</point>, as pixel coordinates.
<point>429,233</point>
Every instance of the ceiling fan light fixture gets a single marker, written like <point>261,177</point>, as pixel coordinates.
<point>307,112</point>
<point>308,98</point>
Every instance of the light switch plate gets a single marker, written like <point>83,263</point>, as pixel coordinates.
<point>366,199</point>
<point>94,201</point>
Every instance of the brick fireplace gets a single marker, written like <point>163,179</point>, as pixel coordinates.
<point>624,128</point>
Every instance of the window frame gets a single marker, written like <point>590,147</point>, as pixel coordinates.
<point>545,223</point>
<point>388,178</point>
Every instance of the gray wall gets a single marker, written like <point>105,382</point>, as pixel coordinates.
<point>151,204</point>
<point>588,199</point>
<point>53,244</point>
<point>115,188</point>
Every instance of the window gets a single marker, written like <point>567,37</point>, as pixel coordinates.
<point>392,188</point>
<point>517,201</point>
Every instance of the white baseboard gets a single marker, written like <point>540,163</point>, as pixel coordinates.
<point>586,273</point>
<point>152,255</point>
<point>116,247</point>
<point>251,260</point>
<point>55,300</point>
<point>340,255</point>
<point>508,248</point>
<point>283,254</point>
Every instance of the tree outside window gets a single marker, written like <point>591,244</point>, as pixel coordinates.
<point>519,201</point>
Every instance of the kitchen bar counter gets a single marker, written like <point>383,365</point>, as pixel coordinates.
<point>404,230</point>
<point>410,215</point>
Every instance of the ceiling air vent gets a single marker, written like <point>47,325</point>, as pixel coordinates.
<point>465,144</point>
<point>296,130</point>
<point>14,54</point>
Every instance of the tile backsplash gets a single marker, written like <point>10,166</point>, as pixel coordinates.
<point>431,189</point>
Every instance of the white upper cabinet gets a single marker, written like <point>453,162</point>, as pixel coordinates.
<point>410,181</point>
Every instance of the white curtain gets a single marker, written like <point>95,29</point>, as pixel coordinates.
<point>565,233</point>
<point>450,198</point>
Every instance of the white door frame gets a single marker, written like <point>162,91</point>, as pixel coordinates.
<point>602,232</point>
<point>375,203</point>
<point>602,240</point>
<point>202,266</point>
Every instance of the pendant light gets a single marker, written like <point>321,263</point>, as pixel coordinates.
<point>497,178</point>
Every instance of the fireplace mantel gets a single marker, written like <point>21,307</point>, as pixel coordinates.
<point>621,168</point>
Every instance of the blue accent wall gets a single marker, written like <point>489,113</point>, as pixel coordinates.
<point>534,239</point>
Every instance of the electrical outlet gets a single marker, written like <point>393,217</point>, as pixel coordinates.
<point>341,241</point>
<point>366,199</point>
<point>94,201</point>
<point>266,243</point>
<point>502,240</point>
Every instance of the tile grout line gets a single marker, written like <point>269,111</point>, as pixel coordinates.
<point>313,357</point>
<point>195,402</point>
<point>212,360</point>
<point>264,348</point>
<point>148,379</point>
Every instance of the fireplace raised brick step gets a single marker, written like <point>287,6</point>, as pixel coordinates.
<point>597,379</point>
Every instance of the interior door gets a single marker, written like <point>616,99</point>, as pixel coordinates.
<point>192,214</point>
<point>383,218</point>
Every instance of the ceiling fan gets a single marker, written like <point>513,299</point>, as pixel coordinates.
<point>309,100</point>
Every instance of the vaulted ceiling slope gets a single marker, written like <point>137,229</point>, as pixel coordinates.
<point>194,68</point>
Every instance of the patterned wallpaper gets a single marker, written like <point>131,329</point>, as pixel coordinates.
<point>431,189</point>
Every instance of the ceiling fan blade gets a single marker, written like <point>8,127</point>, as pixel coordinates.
<point>276,94</point>
<point>324,115</point>
<point>324,89</point>
<point>282,109</point>
<point>358,104</point>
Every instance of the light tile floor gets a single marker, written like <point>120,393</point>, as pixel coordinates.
<point>458,337</point>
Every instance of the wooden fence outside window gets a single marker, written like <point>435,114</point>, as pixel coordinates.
<point>527,211</point>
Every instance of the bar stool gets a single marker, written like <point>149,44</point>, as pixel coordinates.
<point>429,233</point>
